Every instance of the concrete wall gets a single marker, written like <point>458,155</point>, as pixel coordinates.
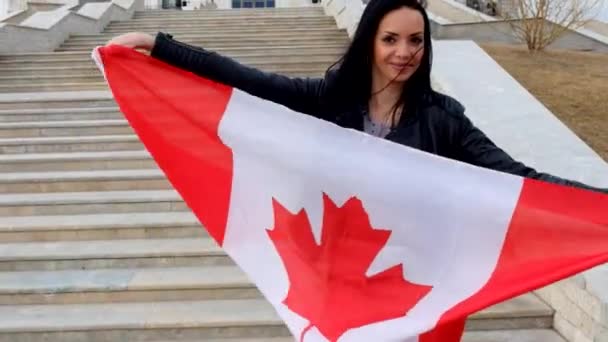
<point>346,13</point>
<point>45,31</point>
<point>3,8</point>
<point>16,17</point>
<point>500,31</point>
<point>11,6</point>
<point>227,4</point>
<point>153,4</point>
<point>293,3</point>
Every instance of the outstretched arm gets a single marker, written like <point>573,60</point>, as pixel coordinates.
<point>300,94</point>
<point>476,148</point>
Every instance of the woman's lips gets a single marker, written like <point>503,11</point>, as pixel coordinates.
<point>400,67</point>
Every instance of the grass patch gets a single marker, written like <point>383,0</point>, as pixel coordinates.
<point>571,84</point>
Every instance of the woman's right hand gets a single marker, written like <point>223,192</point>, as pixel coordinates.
<point>134,40</point>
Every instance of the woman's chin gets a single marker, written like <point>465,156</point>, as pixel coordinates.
<point>401,77</point>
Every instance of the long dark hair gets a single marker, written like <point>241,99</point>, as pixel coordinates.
<point>353,72</point>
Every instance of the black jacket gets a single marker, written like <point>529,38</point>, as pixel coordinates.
<point>440,127</point>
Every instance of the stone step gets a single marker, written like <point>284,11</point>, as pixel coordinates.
<point>192,320</point>
<point>231,51</point>
<point>100,85</point>
<point>230,12</point>
<point>69,203</point>
<point>49,87</point>
<point>234,33</point>
<point>202,320</point>
<point>86,68</point>
<point>226,22</point>
<point>178,29</point>
<point>116,142</point>
<point>76,161</point>
<point>309,8</point>
<point>48,116</point>
<point>219,41</point>
<point>189,31</point>
<point>125,285</point>
<point>25,81</point>
<point>78,181</point>
<point>97,226</point>
<point>183,26</point>
<point>74,100</point>
<point>236,339</point>
<point>513,335</point>
<point>32,72</point>
<point>247,57</point>
<point>234,13</point>
<point>220,37</point>
<point>124,253</point>
<point>30,129</point>
<point>172,26</point>
<point>200,283</point>
<point>176,26</point>
<point>93,103</point>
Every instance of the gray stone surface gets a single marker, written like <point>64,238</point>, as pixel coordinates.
<point>529,335</point>
<point>108,249</point>
<point>30,129</point>
<point>45,31</point>
<point>97,220</point>
<point>122,279</point>
<point>98,175</point>
<point>117,142</point>
<point>597,285</point>
<point>95,10</point>
<point>110,155</point>
<point>89,196</point>
<point>98,160</point>
<point>56,96</point>
<point>136,315</point>
<point>45,20</point>
<point>501,32</point>
<point>455,12</point>
<point>86,202</point>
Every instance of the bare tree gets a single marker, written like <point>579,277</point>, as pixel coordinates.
<point>538,23</point>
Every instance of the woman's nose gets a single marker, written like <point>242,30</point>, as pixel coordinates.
<point>405,50</point>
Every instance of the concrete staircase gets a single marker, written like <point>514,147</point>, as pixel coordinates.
<point>95,245</point>
<point>298,41</point>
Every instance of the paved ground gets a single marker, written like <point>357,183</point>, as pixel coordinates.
<point>598,27</point>
<point>451,13</point>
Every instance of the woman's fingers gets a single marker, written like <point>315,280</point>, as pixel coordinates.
<point>134,40</point>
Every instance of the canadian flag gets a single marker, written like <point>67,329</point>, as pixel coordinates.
<point>351,237</point>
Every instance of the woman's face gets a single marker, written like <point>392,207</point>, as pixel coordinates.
<point>398,45</point>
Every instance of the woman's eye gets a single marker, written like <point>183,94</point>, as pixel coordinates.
<point>417,40</point>
<point>388,39</point>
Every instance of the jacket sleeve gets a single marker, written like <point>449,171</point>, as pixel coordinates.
<point>477,149</point>
<point>299,94</point>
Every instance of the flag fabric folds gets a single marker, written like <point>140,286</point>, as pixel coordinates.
<point>351,237</point>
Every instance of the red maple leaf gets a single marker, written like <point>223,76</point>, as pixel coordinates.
<point>328,285</point>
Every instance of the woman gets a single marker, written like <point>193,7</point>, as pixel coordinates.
<point>381,85</point>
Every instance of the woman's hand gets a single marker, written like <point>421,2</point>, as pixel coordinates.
<point>134,40</point>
